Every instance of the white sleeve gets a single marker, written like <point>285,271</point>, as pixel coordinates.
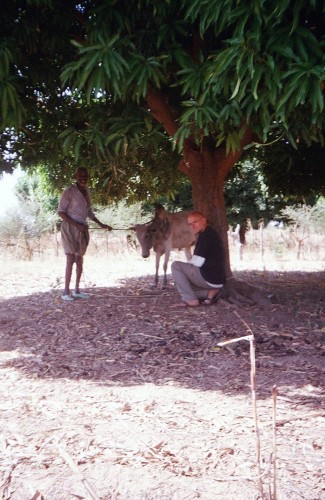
<point>197,261</point>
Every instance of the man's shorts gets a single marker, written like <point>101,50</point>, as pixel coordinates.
<point>73,240</point>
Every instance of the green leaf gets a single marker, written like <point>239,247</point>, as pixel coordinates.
<point>286,51</point>
<point>235,92</point>
<point>256,79</point>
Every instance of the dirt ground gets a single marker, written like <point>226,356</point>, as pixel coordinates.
<point>122,397</point>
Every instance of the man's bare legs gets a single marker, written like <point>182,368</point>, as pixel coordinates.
<point>68,272</point>
<point>79,268</point>
<point>71,259</point>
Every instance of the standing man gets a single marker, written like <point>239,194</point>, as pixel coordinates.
<point>200,279</point>
<point>74,208</point>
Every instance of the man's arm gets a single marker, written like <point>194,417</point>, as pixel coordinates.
<point>197,260</point>
<point>103,226</point>
<point>79,225</point>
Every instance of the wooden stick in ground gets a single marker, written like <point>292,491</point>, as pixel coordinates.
<point>250,338</point>
<point>275,395</point>
<point>90,490</point>
<point>257,430</point>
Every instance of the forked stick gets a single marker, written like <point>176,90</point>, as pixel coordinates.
<point>250,338</point>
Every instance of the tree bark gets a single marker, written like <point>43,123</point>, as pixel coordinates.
<point>207,174</point>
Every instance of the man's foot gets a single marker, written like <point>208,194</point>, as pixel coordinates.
<point>212,297</point>
<point>67,298</point>
<point>80,295</point>
<point>187,303</point>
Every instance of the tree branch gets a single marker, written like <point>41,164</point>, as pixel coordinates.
<point>229,160</point>
<point>161,111</point>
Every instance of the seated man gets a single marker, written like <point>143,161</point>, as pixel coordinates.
<point>200,279</point>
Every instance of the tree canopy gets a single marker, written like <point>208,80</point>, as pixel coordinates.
<point>220,65</point>
<point>112,84</point>
<point>295,173</point>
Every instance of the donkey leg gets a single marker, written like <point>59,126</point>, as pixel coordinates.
<point>164,285</point>
<point>156,278</point>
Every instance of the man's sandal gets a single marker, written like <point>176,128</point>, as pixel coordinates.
<point>80,295</point>
<point>209,301</point>
<point>67,298</point>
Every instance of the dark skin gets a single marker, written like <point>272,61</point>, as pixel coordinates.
<point>82,178</point>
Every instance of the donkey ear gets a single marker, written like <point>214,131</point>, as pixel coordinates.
<point>159,211</point>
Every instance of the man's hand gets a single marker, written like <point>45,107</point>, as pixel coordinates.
<point>105,226</point>
<point>82,227</point>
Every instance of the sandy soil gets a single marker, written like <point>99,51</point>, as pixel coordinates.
<point>122,397</point>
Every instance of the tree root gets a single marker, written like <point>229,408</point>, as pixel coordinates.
<point>239,292</point>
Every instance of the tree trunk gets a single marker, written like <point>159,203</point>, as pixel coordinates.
<point>207,173</point>
<point>208,169</point>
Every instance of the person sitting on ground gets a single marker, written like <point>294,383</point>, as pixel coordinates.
<point>74,208</point>
<point>200,279</point>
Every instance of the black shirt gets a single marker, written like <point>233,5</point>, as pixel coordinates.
<point>209,246</point>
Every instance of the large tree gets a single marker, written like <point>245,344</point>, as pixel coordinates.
<point>106,79</point>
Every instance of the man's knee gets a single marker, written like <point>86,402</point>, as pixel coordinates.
<point>70,258</point>
<point>175,265</point>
